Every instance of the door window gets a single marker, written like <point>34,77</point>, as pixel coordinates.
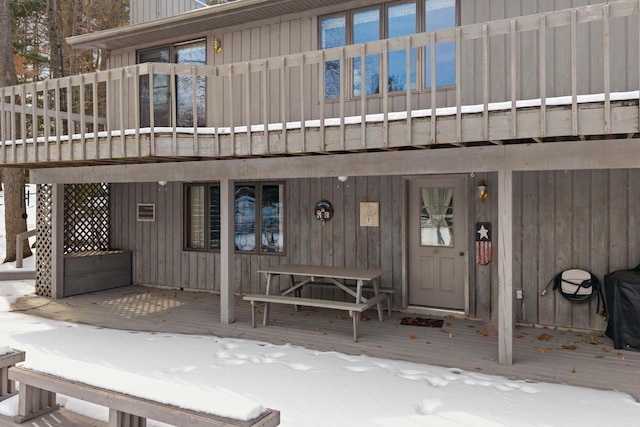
<point>161,105</point>
<point>436,216</point>
<point>191,53</point>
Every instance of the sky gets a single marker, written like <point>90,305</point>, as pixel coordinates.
<point>239,378</point>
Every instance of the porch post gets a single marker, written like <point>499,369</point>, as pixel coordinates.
<point>505,267</point>
<point>227,247</point>
<point>57,241</point>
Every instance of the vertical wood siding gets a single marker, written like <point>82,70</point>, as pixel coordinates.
<point>590,78</point>
<point>160,260</point>
<point>572,219</point>
<point>149,10</point>
<point>483,279</point>
<point>275,38</point>
<point>584,219</point>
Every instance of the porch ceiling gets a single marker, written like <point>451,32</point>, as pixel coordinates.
<point>195,22</point>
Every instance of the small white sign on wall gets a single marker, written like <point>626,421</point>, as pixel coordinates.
<point>369,214</point>
<point>146,212</point>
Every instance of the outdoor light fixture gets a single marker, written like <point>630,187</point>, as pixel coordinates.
<point>343,178</point>
<point>162,183</point>
<point>482,190</point>
<point>217,45</point>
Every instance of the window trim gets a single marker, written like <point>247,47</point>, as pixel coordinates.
<point>421,60</point>
<point>382,31</point>
<point>207,216</point>
<point>173,98</point>
<point>258,214</point>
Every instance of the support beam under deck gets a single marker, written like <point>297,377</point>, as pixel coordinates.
<point>505,267</point>
<point>568,155</point>
<point>227,248</point>
<point>57,241</point>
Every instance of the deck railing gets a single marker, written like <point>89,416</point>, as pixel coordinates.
<point>530,61</point>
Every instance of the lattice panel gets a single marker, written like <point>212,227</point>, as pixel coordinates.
<point>86,217</point>
<point>44,243</point>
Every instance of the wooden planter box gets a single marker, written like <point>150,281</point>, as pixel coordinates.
<point>86,272</point>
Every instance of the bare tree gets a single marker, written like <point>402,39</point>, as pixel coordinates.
<point>55,39</point>
<point>14,206</point>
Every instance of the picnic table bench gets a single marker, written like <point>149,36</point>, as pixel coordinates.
<point>38,396</point>
<point>387,291</point>
<point>353,308</point>
<point>332,276</point>
<point>7,386</point>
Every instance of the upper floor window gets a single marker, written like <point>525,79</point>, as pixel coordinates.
<point>193,53</point>
<point>441,14</point>
<point>333,34</point>
<point>401,21</point>
<point>259,217</point>
<point>389,21</point>
<point>366,28</point>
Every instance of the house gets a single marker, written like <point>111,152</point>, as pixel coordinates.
<point>442,120</point>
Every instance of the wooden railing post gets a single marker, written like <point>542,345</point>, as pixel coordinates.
<point>28,113</point>
<point>20,238</point>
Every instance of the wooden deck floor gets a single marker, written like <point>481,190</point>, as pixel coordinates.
<point>581,359</point>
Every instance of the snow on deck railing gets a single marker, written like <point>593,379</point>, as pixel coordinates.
<point>351,120</point>
<point>287,92</point>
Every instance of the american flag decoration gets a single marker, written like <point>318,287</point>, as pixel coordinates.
<point>483,243</point>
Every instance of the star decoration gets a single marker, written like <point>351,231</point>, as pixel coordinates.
<point>483,232</point>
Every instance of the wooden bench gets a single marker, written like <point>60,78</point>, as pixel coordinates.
<point>352,307</point>
<point>7,386</point>
<point>388,291</point>
<point>38,396</point>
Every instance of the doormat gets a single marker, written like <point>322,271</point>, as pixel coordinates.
<point>421,321</point>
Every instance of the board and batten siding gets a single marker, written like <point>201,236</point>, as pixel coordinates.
<point>562,219</point>
<point>159,258</point>
<point>572,219</point>
<point>149,10</point>
<point>298,33</point>
<point>557,49</point>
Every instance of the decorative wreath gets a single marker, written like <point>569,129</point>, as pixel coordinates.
<point>323,211</point>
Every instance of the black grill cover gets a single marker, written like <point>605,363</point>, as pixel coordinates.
<point>622,289</point>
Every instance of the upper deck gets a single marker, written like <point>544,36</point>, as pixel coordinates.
<point>276,106</point>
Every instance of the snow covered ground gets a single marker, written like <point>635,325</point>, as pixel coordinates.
<point>236,377</point>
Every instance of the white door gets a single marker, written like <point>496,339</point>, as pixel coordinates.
<point>437,237</point>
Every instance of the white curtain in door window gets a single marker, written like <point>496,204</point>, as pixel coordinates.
<point>434,229</point>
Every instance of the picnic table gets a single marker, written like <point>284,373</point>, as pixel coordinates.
<point>313,274</point>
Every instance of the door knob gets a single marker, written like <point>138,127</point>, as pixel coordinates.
<point>461,253</point>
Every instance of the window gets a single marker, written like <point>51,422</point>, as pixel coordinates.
<point>195,208</point>
<point>391,20</point>
<point>258,231</point>
<point>193,53</point>
<point>366,28</point>
<point>332,34</point>
<point>272,218</point>
<point>401,21</point>
<point>441,14</point>
<point>161,106</point>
